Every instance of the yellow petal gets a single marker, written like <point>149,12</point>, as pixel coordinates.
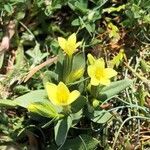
<point>100,63</point>
<point>51,91</point>
<point>94,81</point>
<point>62,94</point>
<point>69,49</point>
<point>72,39</point>
<point>62,43</point>
<point>109,72</point>
<point>91,59</point>
<point>71,44</point>
<point>104,81</point>
<point>91,70</point>
<point>73,96</point>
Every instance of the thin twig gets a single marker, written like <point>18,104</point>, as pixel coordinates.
<point>37,68</point>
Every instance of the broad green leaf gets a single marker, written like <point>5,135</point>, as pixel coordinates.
<point>7,103</point>
<point>78,61</point>
<point>113,89</point>
<point>61,130</point>
<point>82,142</point>
<point>100,116</point>
<point>31,97</point>
<point>8,8</point>
<point>44,109</point>
<point>76,117</point>
<point>78,104</point>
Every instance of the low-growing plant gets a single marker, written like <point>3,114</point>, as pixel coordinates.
<point>75,90</point>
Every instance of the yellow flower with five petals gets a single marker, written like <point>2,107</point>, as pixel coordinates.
<point>69,45</point>
<point>99,74</point>
<point>60,94</point>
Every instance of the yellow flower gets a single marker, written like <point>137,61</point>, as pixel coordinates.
<point>69,45</point>
<point>99,74</point>
<point>60,94</point>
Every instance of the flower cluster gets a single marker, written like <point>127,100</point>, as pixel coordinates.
<point>60,94</point>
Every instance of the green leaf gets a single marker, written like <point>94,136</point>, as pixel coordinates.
<point>31,97</point>
<point>7,103</point>
<point>76,117</point>
<point>36,54</point>
<point>82,142</point>
<point>61,130</point>
<point>79,6</point>
<point>78,104</point>
<point>8,8</point>
<point>113,89</point>
<point>39,96</point>
<point>44,109</point>
<point>78,61</point>
<point>76,22</point>
<point>101,116</point>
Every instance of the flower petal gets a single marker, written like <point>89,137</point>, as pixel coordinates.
<point>104,81</point>
<point>51,91</point>
<point>72,39</point>
<point>94,81</point>
<point>100,63</point>
<point>71,44</point>
<point>62,43</point>
<point>91,70</point>
<point>62,93</point>
<point>91,59</point>
<point>109,72</point>
<point>73,96</point>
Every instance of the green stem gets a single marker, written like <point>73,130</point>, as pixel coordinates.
<point>67,66</point>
